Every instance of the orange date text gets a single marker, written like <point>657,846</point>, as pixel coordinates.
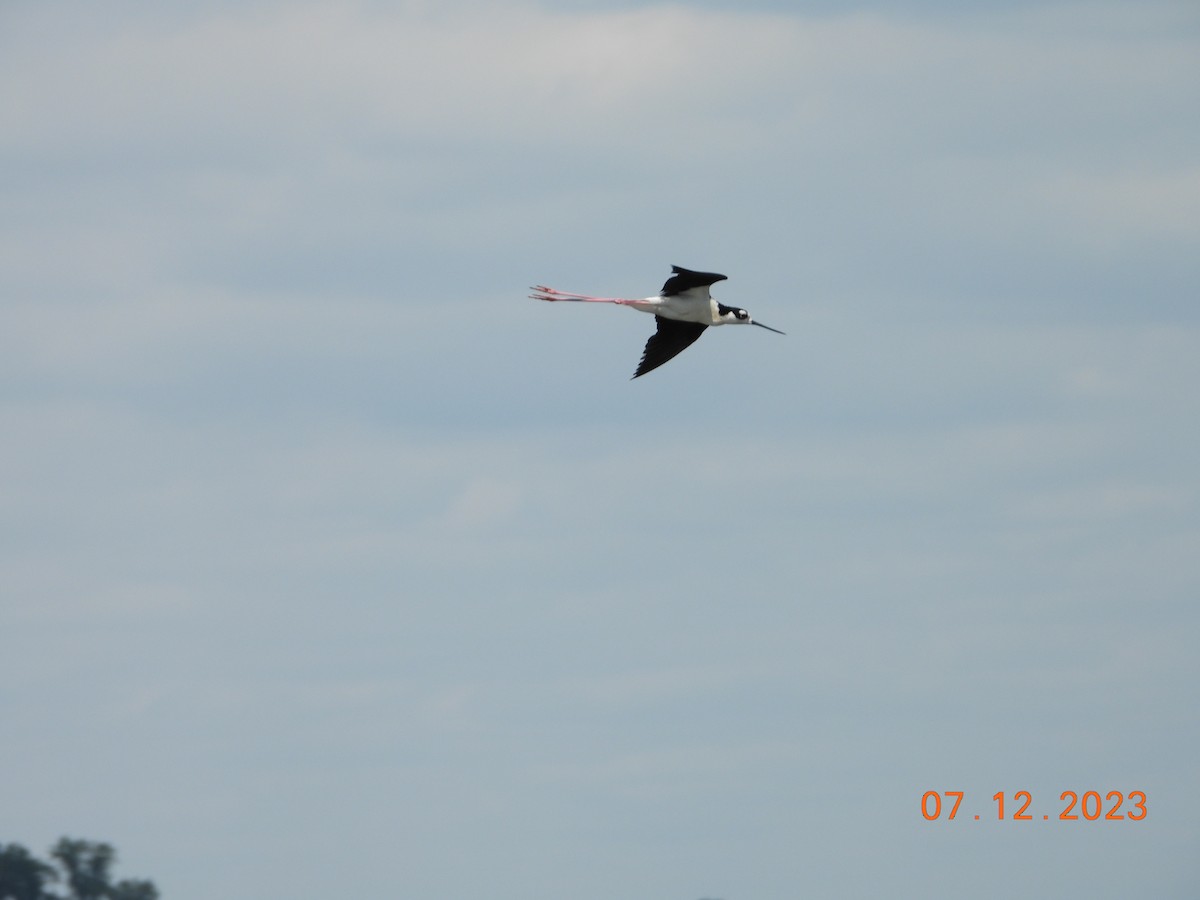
<point>1091,806</point>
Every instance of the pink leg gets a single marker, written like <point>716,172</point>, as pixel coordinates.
<point>541,292</point>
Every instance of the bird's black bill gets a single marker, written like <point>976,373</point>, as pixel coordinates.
<point>768,327</point>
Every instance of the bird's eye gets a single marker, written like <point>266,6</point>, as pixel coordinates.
<point>742,314</point>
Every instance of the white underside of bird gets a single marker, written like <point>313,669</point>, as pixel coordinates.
<point>694,305</point>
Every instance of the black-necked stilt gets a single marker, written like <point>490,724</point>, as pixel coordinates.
<point>682,309</point>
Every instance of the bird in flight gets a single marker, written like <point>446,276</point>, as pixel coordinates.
<point>683,309</point>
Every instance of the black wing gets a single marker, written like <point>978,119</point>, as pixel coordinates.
<point>686,279</point>
<point>671,339</point>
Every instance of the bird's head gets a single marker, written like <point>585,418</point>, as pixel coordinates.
<point>734,315</point>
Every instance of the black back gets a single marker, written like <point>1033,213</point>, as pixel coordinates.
<point>686,279</point>
<point>671,339</point>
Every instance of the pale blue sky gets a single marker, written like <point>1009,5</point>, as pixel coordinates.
<point>334,566</point>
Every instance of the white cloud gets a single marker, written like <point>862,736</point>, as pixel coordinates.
<point>339,147</point>
<point>1107,211</point>
<point>482,502</point>
<point>302,80</point>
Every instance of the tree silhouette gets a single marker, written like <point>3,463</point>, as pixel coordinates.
<point>84,866</point>
<point>21,876</point>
